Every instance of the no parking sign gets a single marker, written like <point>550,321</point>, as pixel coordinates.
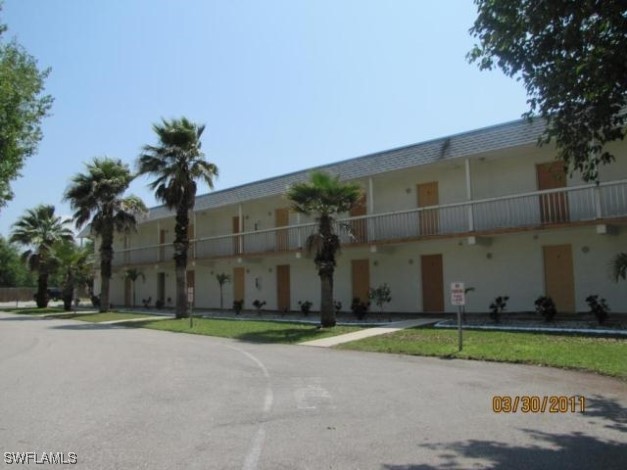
<point>458,294</point>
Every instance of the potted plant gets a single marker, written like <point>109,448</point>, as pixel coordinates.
<point>598,307</point>
<point>359,308</point>
<point>258,304</point>
<point>545,307</point>
<point>497,307</point>
<point>305,306</point>
<point>237,306</point>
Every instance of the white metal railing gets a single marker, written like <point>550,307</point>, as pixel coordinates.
<point>527,210</point>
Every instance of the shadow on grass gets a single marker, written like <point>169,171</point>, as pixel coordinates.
<point>286,335</point>
<point>549,450</point>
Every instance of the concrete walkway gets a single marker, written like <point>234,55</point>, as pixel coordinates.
<point>368,332</point>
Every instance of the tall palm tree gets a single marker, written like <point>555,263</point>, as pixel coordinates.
<point>97,196</point>
<point>39,229</point>
<point>324,196</point>
<point>178,163</point>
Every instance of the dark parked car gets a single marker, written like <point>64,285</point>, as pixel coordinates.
<point>54,293</point>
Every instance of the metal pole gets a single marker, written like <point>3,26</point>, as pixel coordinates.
<point>459,327</point>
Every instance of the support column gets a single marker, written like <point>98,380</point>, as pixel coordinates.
<point>471,221</point>
<point>371,221</point>
<point>241,229</point>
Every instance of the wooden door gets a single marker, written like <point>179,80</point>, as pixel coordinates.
<point>429,220</point>
<point>432,283</point>
<point>283,301</point>
<point>360,276</point>
<point>191,282</point>
<point>359,228</point>
<point>237,243</point>
<point>558,276</point>
<point>128,293</point>
<point>239,285</point>
<point>554,206</point>
<point>162,245</point>
<point>282,219</point>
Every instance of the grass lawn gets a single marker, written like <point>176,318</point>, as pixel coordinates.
<point>603,355</point>
<point>33,311</point>
<point>100,317</point>
<point>245,330</point>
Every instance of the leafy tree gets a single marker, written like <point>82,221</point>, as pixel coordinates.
<point>22,107</point>
<point>13,273</point>
<point>75,266</point>
<point>178,163</point>
<point>324,196</point>
<point>571,57</point>
<point>97,196</point>
<point>39,230</point>
<point>132,275</point>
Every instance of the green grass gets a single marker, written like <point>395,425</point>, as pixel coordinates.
<point>33,311</point>
<point>602,355</point>
<point>245,330</point>
<point>100,317</point>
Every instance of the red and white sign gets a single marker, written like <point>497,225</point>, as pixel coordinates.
<point>458,294</point>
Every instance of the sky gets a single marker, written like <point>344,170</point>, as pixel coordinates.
<point>281,85</point>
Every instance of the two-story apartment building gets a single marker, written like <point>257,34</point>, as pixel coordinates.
<point>488,207</point>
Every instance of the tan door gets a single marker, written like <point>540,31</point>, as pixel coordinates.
<point>558,276</point>
<point>282,219</point>
<point>553,207</point>
<point>128,293</point>
<point>283,301</point>
<point>162,245</point>
<point>359,227</point>
<point>237,248</point>
<point>239,277</point>
<point>360,275</point>
<point>430,218</point>
<point>191,282</point>
<point>432,283</point>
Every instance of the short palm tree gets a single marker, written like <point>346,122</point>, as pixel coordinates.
<point>132,275</point>
<point>619,266</point>
<point>39,229</point>
<point>177,163</point>
<point>222,279</point>
<point>324,196</point>
<point>76,266</point>
<point>97,196</point>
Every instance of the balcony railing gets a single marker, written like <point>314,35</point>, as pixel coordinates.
<point>530,210</point>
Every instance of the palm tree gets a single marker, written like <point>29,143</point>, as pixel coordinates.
<point>324,196</point>
<point>177,163</point>
<point>97,196</point>
<point>39,229</point>
<point>619,267</point>
<point>132,275</point>
<point>76,266</point>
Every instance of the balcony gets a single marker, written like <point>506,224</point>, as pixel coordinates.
<point>534,210</point>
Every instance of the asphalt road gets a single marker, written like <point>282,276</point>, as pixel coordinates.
<point>138,399</point>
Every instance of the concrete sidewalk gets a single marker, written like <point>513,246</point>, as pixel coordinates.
<point>368,332</point>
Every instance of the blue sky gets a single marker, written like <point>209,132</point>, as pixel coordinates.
<point>281,85</point>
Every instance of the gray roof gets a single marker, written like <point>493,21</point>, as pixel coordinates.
<point>510,134</point>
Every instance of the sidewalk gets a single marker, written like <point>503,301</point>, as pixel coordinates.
<point>368,332</point>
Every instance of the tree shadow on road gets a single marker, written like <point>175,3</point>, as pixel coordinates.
<point>549,450</point>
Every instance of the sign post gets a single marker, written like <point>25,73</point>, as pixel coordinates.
<point>458,298</point>
<point>190,303</point>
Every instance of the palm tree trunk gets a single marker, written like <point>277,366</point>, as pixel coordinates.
<point>41,297</point>
<point>327,312</point>
<point>181,243</point>
<point>106,257</point>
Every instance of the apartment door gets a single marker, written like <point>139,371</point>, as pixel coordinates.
<point>162,234</point>
<point>237,242</point>
<point>191,282</point>
<point>558,276</point>
<point>127,293</point>
<point>429,219</point>
<point>432,283</point>
<point>360,276</point>
<point>161,288</point>
<point>359,228</point>
<point>239,278</point>
<point>282,219</point>
<point>283,301</point>
<point>554,206</point>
